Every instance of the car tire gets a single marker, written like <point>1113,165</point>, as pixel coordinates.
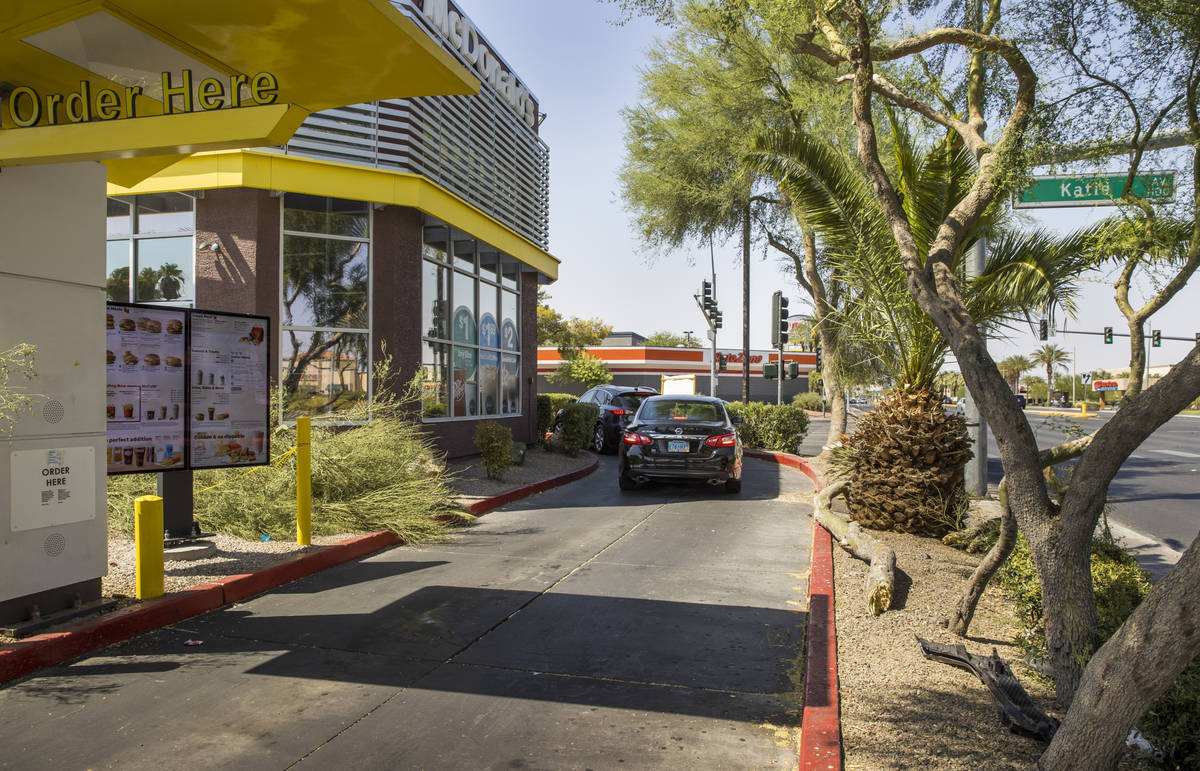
<point>626,482</point>
<point>733,486</point>
<point>599,442</point>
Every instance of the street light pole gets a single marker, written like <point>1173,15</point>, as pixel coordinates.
<point>975,473</point>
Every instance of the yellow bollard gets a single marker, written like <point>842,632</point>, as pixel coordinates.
<point>303,481</point>
<point>148,545</point>
<point>1083,409</point>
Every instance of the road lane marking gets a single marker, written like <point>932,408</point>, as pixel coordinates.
<point>1180,453</point>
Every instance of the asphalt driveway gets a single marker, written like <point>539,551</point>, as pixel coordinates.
<point>580,628</point>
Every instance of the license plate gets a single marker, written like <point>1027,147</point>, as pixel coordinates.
<point>677,445</point>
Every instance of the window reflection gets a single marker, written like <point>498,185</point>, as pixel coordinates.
<point>323,373</point>
<point>164,269</point>
<point>435,380</point>
<point>324,282</point>
<point>330,216</point>
<point>164,213</point>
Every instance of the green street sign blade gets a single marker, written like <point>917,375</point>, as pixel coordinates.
<point>1064,190</point>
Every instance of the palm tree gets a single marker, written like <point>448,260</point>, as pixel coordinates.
<point>171,280</point>
<point>1052,358</point>
<point>909,437</point>
<point>1012,368</point>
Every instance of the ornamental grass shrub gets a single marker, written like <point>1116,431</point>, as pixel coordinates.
<point>376,470</point>
<point>1172,723</point>
<point>495,445</point>
<point>808,400</point>
<point>780,428</point>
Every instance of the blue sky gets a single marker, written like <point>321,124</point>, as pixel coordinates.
<point>583,69</point>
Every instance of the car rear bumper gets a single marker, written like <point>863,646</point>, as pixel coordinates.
<point>719,468</point>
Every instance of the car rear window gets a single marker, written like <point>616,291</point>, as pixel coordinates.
<point>633,401</point>
<point>671,409</point>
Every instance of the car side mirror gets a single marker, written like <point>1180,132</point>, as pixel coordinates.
<point>736,420</point>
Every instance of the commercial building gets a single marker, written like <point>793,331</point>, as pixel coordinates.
<point>418,224</point>
<point>410,228</point>
<point>639,365</point>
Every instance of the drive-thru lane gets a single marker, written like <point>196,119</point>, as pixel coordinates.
<point>584,627</point>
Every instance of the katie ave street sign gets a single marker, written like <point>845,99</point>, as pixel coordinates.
<point>1100,190</point>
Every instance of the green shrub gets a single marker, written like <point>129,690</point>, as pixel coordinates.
<point>496,446</point>
<point>808,400</point>
<point>578,420</point>
<point>381,474</point>
<point>772,427</point>
<point>1172,724</point>
<point>548,406</point>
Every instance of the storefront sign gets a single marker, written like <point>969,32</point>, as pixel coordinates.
<point>147,388</point>
<point>229,405</point>
<point>1104,385</point>
<point>52,487</point>
<point>26,107</point>
<point>460,33</point>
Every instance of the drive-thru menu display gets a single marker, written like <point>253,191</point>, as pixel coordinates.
<point>186,389</point>
<point>147,388</point>
<point>229,404</point>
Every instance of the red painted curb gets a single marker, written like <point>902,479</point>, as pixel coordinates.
<point>19,659</point>
<point>45,650</point>
<point>486,505</point>
<point>821,728</point>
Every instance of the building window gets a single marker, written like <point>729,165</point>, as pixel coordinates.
<point>325,308</point>
<point>470,325</point>
<point>151,249</point>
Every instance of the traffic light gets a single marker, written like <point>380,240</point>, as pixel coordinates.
<point>793,370</point>
<point>720,362</point>
<point>779,319</point>
<point>717,318</point>
<point>706,296</point>
<point>1108,335</point>
<point>818,352</point>
<point>1043,329</point>
<point>1156,338</point>
<point>770,371</point>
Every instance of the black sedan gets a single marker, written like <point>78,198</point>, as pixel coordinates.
<point>681,438</point>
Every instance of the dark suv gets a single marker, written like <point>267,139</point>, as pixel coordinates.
<point>617,405</point>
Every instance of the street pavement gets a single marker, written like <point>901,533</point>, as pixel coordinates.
<point>580,628</point>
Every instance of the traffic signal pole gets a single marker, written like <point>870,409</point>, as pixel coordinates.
<point>975,474</point>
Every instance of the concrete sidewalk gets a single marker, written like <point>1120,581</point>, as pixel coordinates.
<point>583,628</point>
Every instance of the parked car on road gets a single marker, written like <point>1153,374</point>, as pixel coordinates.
<point>681,438</point>
<point>617,405</point>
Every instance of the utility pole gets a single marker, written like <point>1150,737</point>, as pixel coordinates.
<point>976,471</point>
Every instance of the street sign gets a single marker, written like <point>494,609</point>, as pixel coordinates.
<point>1085,378</point>
<point>1064,190</point>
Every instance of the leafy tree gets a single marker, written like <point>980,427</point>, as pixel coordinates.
<point>569,335</point>
<point>666,339</point>
<point>1058,535</point>
<point>117,285</point>
<point>583,368</point>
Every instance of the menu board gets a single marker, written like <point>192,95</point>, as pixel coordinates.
<point>146,388</point>
<point>229,404</point>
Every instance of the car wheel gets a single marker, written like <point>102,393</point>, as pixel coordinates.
<point>626,482</point>
<point>599,444</point>
<point>733,486</point>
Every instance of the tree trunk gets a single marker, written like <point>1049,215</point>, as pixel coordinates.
<point>826,335</point>
<point>960,622</point>
<point>881,577</point>
<point>1137,664</point>
<point>746,308</point>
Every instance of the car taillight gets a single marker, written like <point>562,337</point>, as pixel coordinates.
<point>723,440</point>
<point>633,437</point>
<point>618,411</point>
